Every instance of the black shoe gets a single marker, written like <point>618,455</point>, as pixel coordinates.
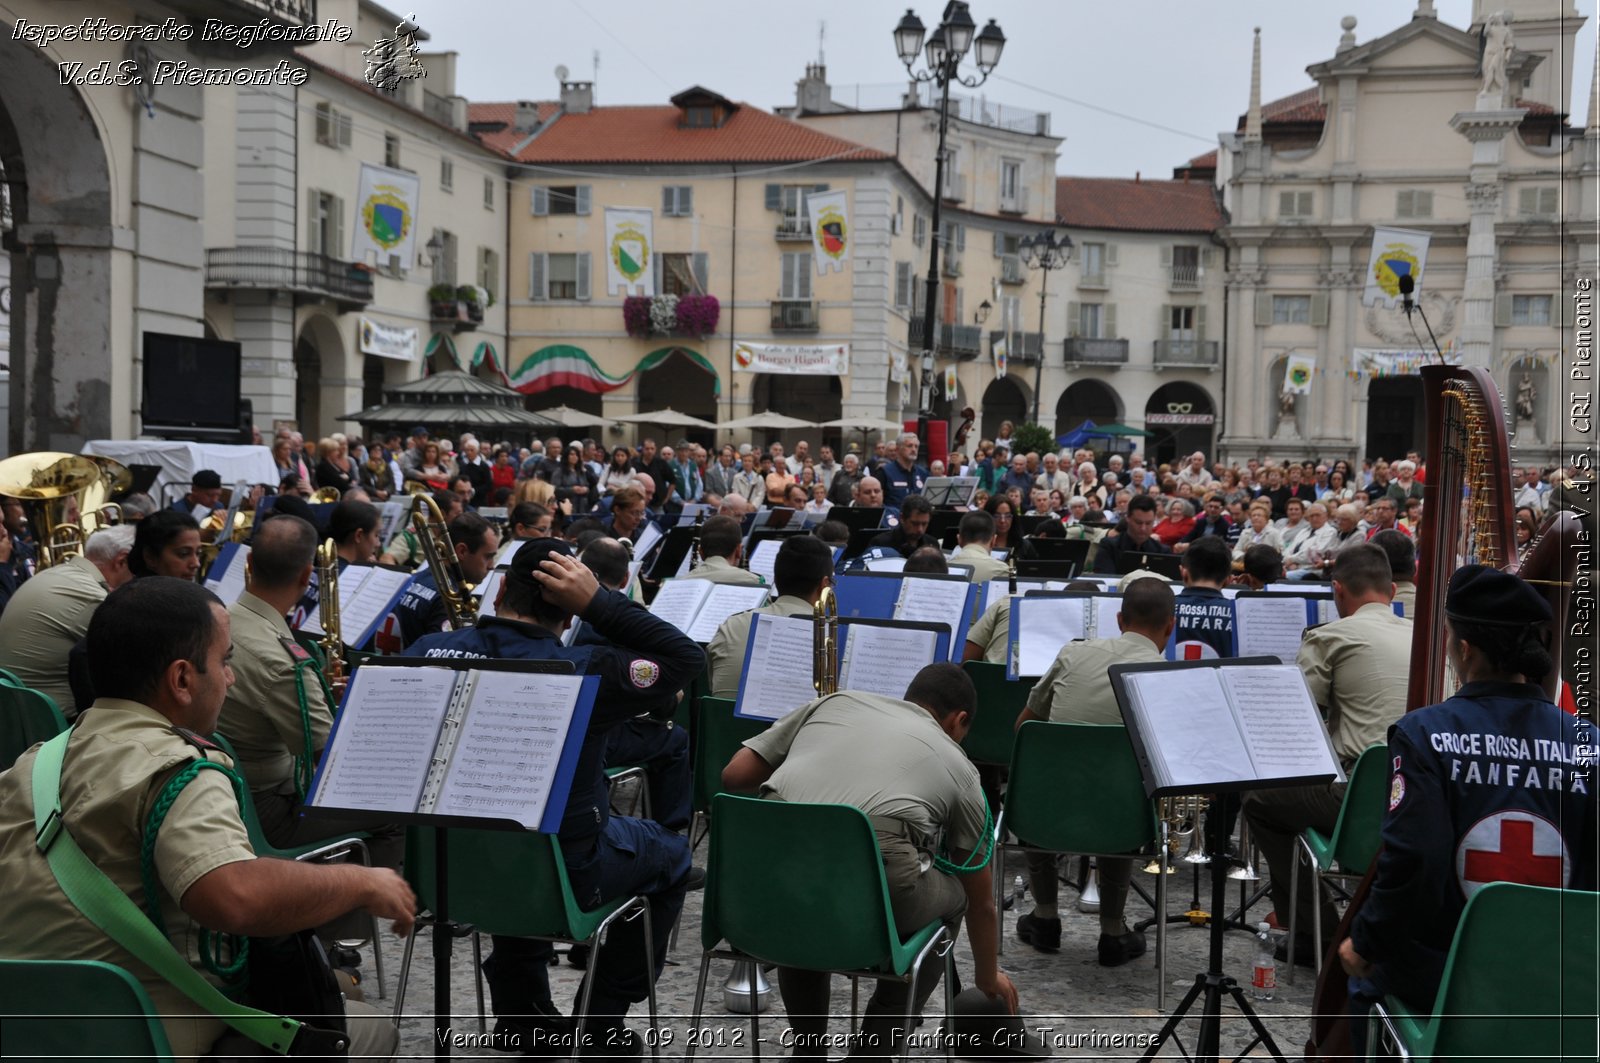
<point>1116,951</point>
<point>696,879</point>
<point>1305,953</point>
<point>1042,934</point>
<point>578,956</point>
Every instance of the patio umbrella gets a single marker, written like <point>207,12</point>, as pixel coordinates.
<point>567,417</point>
<point>666,418</point>
<point>772,422</point>
<point>864,424</point>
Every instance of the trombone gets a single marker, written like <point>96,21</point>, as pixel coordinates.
<point>332,641</point>
<point>428,522</point>
<point>825,643</point>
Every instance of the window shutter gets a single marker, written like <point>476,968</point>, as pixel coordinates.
<point>1286,204</point>
<point>1072,319</point>
<point>999,245</point>
<point>325,123</point>
<point>1319,308</point>
<point>343,121</point>
<point>313,231</point>
<point>902,277</point>
<point>1565,314</point>
<point>540,200</point>
<point>1200,323</point>
<point>669,200</point>
<point>686,200</point>
<point>1166,256</point>
<point>1424,204</point>
<point>803,271</point>
<point>1263,309</point>
<point>1111,254</point>
<point>1502,310</point>
<point>774,197</point>
<point>655,272</point>
<point>702,271</point>
<point>583,275</point>
<point>818,189</point>
<point>961,306</point>
<point>583,200</point>
<point>1528,201</point>
<point>1164,324</point>
<point>1208,258</point>
<point>786,276</point>
<point>1109,321</point>
<point>338,248</point>
<point>961,237</point>
<point>537,288</point>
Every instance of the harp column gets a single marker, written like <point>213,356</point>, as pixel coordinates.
<point>1486,127</point>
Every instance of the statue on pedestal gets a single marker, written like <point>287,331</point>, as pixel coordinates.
<point>1286,415</point>
<point>1496,55</point>
<point>1527,394</point>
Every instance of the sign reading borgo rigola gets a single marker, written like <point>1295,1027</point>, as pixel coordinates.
<point>831,359</point>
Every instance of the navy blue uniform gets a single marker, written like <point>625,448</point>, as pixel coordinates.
<point>1495,784</point>
<point>1204,614</point>
<point>645,664</point>
<point>1109,555</point>
<point>898,481</point>
<point>420,611</point>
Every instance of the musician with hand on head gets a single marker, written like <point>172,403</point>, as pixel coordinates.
<point>900,762</point>
<point>161,653</point>
<point>1493,784</point>
<point>643,666</point>
<point>804,566</point>
<point>721,546</point>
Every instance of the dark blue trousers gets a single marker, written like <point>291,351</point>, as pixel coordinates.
<point>662,749</point>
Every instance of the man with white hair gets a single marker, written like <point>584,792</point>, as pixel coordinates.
<point>50,613</point>
<point>1053,478</point>
<point>1114,464</point>
<point>842,488</point>
<point>903,476</point>
<point>1195,473</point>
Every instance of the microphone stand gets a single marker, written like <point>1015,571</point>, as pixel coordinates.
<point>1407,304</point>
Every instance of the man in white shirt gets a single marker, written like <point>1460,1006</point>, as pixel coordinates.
<point>1195,473</point>
<point>797,460</point>
<point>1053,478</point>
<point>1532,491</point>
<point>1309,552</point>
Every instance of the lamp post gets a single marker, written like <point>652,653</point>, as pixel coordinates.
<point>1043,251</point>
<point>945,49</point>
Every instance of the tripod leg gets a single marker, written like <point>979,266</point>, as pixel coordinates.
<point>1255,1020</point>
<point>1171,1026</point>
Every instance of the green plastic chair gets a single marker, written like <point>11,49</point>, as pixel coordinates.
<point>480,863</point>
<point>1000,702</point>
<point>1352,845</point>
<point>1076,788</point>
<point>78,1009</point>
<point>764,900</point>
<point>1519,982</point>
<point>27,717</point>
<point>717,736</point>
<point>325,850</point>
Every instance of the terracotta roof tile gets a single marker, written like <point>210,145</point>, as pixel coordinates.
<point>506,111</point>
<point>1138,206</point>
<point>653,134</point>
<point>1303,106</point>
<point>1534,107</point>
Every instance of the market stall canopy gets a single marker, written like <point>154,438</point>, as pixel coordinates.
<point>666,418</point>
<point>864,424</point>
<point>768,420</point>
<point>453,400</point>
<point>1089,430</point>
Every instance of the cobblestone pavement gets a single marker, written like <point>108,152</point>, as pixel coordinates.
<point>1087,1008</point>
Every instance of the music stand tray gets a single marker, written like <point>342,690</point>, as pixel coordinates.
<point>857,519</point>
<point>946,491</point>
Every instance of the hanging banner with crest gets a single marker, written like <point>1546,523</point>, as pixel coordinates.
<point>830,230</point>
<point>387,227</point>
<point>1298,372</point>
<point>630,243</point>
<point>1396,253</point>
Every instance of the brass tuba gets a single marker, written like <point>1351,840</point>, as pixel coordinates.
<point>325,495</point>
<point>64,497</point>
<point>332,641</point>
<point>428,522</point>
<point>825,643</point>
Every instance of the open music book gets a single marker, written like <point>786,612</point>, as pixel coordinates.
<point>1043,622</point>
<point>457,738</point>
<point>367,594</point>
<point>876,656</point>
<point>1208,726</point>
<point>697,607</point>
<point>944,601</point>
<point>489,590</point>
<point>763,558</point>
<point>225,578</point>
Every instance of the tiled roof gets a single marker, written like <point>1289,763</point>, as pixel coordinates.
<point>1303,106</point>
<point>1139,206</point>
<point>357,83</point>
<point>507,137</point>
<point>1534,107</point>
<point>654,135</point>
<point>1203,162</point>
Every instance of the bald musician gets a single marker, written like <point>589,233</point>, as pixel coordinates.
<point>803,567</point>
<point>721,544</point>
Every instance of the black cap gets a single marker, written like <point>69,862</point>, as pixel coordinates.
<point>296,506</point>
<point>206,479</point>
<point>420,430</point>
<point>525,562</point>
<point>1482,595</point>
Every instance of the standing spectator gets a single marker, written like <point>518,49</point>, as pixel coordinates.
<point>686,477</point>
<point>1276,492</point>
<point>283,457</point>
<point>328,472</point>
<point>842,489</point>
<point>1404,485</point>
<point>797,461</point>
<point>410,459</point>
<point>827,468</point>
<point>1300,487</point>
<point>476,471</point>
<point>619,473</point>
<point>574,483</point>
<point>1053,478</point>
<point>653,463</point>
<point>503,474</point>
<point>1379,484</point>
<point>1088,484</point>
<point>903,476</point>
<point>719,474</point>
<point>1018,476</point>
<point>777,478</point>
<point>1194,472</point>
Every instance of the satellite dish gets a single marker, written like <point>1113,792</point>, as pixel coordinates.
<point>561,73</point>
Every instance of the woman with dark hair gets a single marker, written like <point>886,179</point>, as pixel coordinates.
<point>166,544</point>
<point>503,474</point>
<point>573,481</point>
<point>1526,525</point>
<point>619,473</point>
<point>435,470</point>
<point>355,529</point>
<point>1007,533</point>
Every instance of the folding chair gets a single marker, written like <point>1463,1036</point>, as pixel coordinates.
<point>717,736</point>
<point>79,1009</point>
<point>27,717</point>
<point>1000,702</point>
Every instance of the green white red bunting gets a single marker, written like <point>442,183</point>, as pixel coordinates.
<point>563,366</point>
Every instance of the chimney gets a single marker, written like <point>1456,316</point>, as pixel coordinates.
<point>577,97</point>
<point>812,93</point>
<point>526,119</point>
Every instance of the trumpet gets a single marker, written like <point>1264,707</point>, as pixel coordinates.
<point>428,522</point>
<point>825,643</point>
<point>1180,820</point>
<point>332,641</point>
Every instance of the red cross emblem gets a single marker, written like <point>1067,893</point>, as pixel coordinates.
<point>387,640</point>
<point>1195,651</point>
<point>1511,847</point>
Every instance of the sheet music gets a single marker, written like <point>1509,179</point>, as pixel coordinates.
<point>936,601</point>
<point>1327,611</point>
<point>230,585</point>
<point>1041,626</point>
<point>1282,728</point>
<point>365,603</point>
<point>509,550</point>
<point>778,679</point>
<point>1188,728</point>
<point>490,589</point>
<point>679,600</point>
<point>1106,608</point>
<point>884,660</point>
<point>391,515</point>
<point>1270,627</point>
<point>996,589</point>
<point>509,747</point>
<point>649,536</point>
<point>383,746</point>
<point>724,600</point>
<point>684,566</point>
<point>763,557</point>
<point>894,563</point>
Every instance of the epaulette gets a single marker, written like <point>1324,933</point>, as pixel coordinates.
<point>200,742</point>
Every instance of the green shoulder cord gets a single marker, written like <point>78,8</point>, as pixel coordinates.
<point>980,856</point>
<point>304,761</point>
<point>236,947</point>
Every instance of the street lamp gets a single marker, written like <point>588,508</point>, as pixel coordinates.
<point>1045,252</point>
<point>945,48</point>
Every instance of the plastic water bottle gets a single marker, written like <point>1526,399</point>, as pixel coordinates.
<point>1017,890</point>
<point>1264,976</point>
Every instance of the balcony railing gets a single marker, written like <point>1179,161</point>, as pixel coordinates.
<point>1083,351</point>
<point>794,227</point>
<point>282,270</point>
<point>1021,347</point>
<point>960,341</point>
<point>789,315</point>
<point>955,187</point>
<point>1092,280</point>
<point>1186,352</point>
<point>1016,203</point>
<point>1012,271</point>
<point>1185,278</point>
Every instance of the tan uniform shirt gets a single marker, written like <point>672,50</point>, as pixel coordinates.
<point>882,755</point>
<point>1076,689</point>
<point>727,647</point>
<point>119,758</point>
<point>992,630</point>
<point>984,566</point>
<point>1357,668</point>
<point>1406,594</point>
<point>44,620</point>
<point>261,714</point>
<point>719,570</point>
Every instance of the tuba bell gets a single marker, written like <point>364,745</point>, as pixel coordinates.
<point>57,491</point>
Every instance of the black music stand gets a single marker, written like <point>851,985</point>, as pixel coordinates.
<point>1212,983</point>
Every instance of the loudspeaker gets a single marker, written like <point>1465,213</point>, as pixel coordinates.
<point>190,383</point>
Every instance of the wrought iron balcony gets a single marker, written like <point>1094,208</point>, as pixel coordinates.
<point>1021,347</point>
<point>1081,350</point>
<point>959,341</point>
<point>279,269</point>
<point>1185,278</point>
<point>794,227</point>
<point>1186,352</point>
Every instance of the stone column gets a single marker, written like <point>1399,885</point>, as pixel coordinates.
<point>1486,128</point>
